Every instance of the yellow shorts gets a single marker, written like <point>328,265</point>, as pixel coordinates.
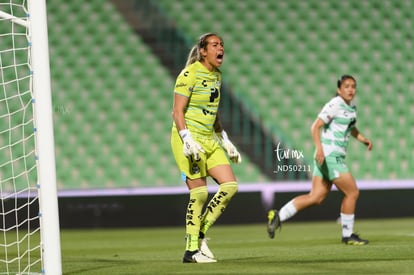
<point>214,155</point>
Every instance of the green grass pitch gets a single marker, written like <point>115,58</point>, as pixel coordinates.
<point>299,248</point>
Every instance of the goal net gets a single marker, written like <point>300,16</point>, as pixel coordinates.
<point>24,238</point>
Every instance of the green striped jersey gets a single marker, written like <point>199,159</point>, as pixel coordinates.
<point>339,119</point>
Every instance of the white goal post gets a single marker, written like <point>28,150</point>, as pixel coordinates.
<point>22,185</point>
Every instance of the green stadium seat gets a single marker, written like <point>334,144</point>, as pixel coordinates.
<point>282,59</point>
<point>302,49</point>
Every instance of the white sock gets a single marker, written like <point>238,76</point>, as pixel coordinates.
<point>347,222</point>
<point>287,211</point>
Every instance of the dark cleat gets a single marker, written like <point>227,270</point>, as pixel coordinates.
<point>273,222</point>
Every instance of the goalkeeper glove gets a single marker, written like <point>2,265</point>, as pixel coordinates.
<point>231,150</point>
<point>190,147</point>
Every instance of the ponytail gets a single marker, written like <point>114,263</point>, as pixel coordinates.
<point>193,56</point>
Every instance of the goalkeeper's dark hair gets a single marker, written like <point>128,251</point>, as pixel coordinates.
<point>194,54</point>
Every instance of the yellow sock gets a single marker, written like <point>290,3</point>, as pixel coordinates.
<point>217,205</point>
<point>191,242</point>
<point>198,197</point>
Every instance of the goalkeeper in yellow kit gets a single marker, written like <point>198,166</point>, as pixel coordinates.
<point>199,143</point>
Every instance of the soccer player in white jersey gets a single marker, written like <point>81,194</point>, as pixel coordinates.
<point>200,144</point>
<point>330,132</point>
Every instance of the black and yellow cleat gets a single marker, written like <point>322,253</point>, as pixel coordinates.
<point>273,222</point>
<point>354,239</point>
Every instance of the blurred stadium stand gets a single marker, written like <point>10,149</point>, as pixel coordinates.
<point>284,57</point>
<point>111,100</point>
<point>112,92</point>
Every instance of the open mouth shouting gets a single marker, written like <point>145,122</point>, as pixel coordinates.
<point>220,58</point>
